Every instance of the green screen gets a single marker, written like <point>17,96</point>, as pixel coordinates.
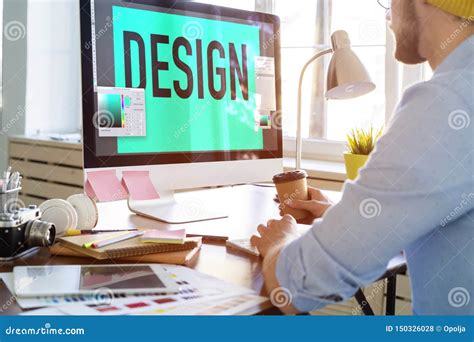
<point>188,124</point>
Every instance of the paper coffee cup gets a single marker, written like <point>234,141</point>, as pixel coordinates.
<point>290,186</point>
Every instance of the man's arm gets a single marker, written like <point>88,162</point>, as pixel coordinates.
<point>271,281</point>
<point>403,193</point>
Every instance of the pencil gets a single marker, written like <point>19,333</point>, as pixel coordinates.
<point>112,240</point>
<point>75,232</point>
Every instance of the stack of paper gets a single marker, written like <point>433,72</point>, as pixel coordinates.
<point>124,249</point>
<point>199,294</point>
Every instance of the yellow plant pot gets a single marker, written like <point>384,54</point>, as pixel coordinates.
<point>353,163</point>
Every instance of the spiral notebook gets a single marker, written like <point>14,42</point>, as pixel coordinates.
<point>177,258</point>
<point>126,248</point>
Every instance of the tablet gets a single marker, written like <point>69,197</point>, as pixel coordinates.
<point>91,279</point>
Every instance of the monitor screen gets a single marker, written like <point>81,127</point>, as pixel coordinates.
<point>178,82</point>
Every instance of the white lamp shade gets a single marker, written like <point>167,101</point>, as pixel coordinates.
<point>347,77</point>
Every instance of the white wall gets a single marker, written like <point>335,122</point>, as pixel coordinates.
<point>14,72</point>
<point>53,91</point>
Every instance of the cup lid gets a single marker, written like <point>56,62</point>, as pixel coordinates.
<point>289,176</point>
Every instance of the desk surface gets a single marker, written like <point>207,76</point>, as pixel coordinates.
<point>247,206</point>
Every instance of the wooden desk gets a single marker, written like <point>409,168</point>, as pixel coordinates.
<point>247,205</point>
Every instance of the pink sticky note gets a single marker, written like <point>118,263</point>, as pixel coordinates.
<point>104,186</point>
<point>139,185</point>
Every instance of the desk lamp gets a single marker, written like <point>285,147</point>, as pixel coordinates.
<point>346,78</point>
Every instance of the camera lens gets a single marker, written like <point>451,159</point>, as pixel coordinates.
<point>39,233</point>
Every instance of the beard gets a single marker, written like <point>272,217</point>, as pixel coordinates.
<point>408,36</point>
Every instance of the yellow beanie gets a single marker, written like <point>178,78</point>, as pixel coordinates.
<point>459,8</point>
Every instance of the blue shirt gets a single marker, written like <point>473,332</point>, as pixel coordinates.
<point>416,193</point>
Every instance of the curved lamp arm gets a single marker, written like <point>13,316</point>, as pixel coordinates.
<point>298,117</point>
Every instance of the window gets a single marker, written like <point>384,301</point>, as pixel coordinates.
<point>248,5</point>
<point>306,27</point>
<point>364,20</point>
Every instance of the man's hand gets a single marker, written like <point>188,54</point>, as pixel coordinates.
<point>275,234</point>
<point>317,204</point>
<point>273,237</point>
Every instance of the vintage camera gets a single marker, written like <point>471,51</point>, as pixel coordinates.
<point>21,229</point>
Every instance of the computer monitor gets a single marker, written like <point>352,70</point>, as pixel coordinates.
<point>189,92</point>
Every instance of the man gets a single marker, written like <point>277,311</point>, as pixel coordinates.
<point>416,192</point>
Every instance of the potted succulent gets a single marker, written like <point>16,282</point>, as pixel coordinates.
<point>360,143</point>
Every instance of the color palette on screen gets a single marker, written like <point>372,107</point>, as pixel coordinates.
<point>265,121</point>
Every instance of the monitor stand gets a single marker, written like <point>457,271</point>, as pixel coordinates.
<point>168,210</point>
